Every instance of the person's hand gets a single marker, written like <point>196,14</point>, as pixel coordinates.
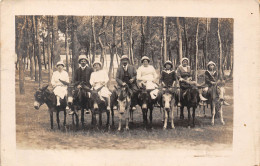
<point>103,83</point>
<point>181,79</point>
<point>213,83</point>
<point>79,86</point>
<point>131,80</point>
<point>123,84</point>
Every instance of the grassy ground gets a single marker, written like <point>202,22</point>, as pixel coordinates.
<point>33,129</point>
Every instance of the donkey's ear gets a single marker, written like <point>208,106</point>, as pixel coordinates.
<point>115,87</point>
<point>44,87</point>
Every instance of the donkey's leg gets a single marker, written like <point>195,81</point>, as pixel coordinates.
<point>204,110</point>
<point>120,121</point>
<point>188,108</point>
<point>213,111</point>
<point>127,116</point>
<point>51,118</point>
<point>181,113</point>
<point>100,119</point>
<point>172,117</point>
<point>82,118</point>
<point>151,117</point>
<point>77,119</point>
<point>165,119</point>
<point>108,118</point>
<point>131,115</point>
<point>65,114</point>
<point>221,115</point>
<point>58,119</point>
<point>193,116</point>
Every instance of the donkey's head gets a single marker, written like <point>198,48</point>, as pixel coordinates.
<point>167,97</point>
<point>40,97</point>
<point>123,98</point>
<point>95,98</point>
<point>220,89</point>
<point>143,97</point>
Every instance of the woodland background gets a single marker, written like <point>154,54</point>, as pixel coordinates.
<point>40,40</point>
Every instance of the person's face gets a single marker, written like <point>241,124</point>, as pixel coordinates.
<point>83,62</point>
<point>124,62</point>
<point>97,66</point>
<point>184,63</point>
<point>168,66</point>
<point>60,68</point>
<point>211,67</point>
<point>146,63</point>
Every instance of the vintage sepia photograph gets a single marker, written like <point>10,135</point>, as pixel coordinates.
<point>123,82</point>
<point>132,83</point>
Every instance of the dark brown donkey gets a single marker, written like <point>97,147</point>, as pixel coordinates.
<point>43,95</point>
<point>78,100</point>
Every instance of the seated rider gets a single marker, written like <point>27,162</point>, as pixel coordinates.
<point>211,78</point>
<point>146,75</point>
<point>185,79</point>
<point>98,79</point>
<point>82,74</point>
<point>126,75</point>
<point>168,75</point>
<point>59,81</point>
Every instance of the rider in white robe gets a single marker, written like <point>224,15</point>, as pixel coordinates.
<point>98,79</point>
<point>147,76</point>
<point>60,89</point>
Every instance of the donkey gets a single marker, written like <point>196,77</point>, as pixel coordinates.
<point>124,102</point>
<point>167,104</point>
<point>98,106</point>
<point>190,99</point>
<point>215,96</point>
<point>43,95</point>
<point>78,99</point>
<point>146,103</point>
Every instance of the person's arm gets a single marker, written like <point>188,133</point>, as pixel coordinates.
<point>53,80</point>
<point>91,80</point>
<point>118,80</point>
<point>155,75</point>
<point>134,73</point>
<point>139,74</point>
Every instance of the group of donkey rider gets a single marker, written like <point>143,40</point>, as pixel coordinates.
<point>127,75</point>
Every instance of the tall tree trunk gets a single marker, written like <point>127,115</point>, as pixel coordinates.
<point>30,46</point>
<point>35,51</point>
<point>164,41</point>
<point>220,53</point>
<point>94,37</point>
<point>213,41</point>
<point>56,45</point>
<point>43,52</point>
<point>179,39</point>
<point>100,42</point>
<point>49,29</point>
<point>206,43</point>
<point>67,45</point>
<point>112,49</point>
<point>197,51</point>
<point>142,38</point>
<point>147,38</point>
<point>38,27</point>
<point>122,35</point>
<point>20,58</point>
<point>131,43</point>
<point>75,45</point>
<point>186,39</point>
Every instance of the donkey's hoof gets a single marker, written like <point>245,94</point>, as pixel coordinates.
<point>172,127</point>
<point>127,129</point>
<point>212,123</point>
<point>223,123</point>
<point>188,127</point>
<point>164,128</point>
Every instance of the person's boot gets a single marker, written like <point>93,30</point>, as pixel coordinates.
<point>201,97</point>
<point>179,104</point>
<point>225,103</point>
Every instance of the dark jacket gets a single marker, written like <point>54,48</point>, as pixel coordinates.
<point>210,78</point>
<point>82,76</point>
<point>120,74</point>
<point>168,77</point>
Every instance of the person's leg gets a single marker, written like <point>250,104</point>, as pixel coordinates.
<point>58,100</point>
<point>134,96</point>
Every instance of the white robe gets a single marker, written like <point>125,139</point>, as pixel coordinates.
<point>98,79</point>
<point>59,88</point>
<point>146,76</point>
